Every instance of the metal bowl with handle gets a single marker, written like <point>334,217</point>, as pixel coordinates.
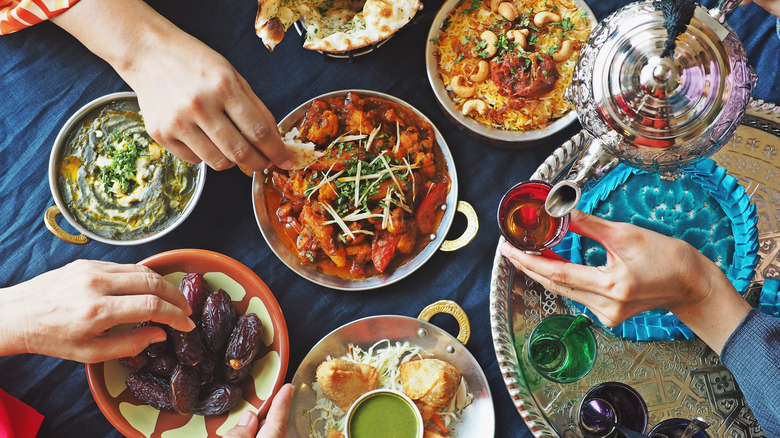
<point>439,242</point>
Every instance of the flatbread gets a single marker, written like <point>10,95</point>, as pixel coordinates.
<point>303,153</point>
<point>334,26</point>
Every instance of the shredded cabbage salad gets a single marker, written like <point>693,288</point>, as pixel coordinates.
<point>386,357</point>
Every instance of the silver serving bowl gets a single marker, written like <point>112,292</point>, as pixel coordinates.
<point>263,216</point>
<point>494,136</point>
<point>478,418</point>
<point>61,207</point>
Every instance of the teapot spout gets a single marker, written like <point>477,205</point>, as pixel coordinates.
<point>592,164</point>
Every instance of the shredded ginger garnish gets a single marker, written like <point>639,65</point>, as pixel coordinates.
<point>386,357</point>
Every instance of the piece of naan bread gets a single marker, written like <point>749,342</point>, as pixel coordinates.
<point>303,152</point>
<point>334,26</point>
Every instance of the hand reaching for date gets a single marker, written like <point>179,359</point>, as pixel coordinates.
<point>275,423</point>
<point>66,312</point>
<point>644,270</point>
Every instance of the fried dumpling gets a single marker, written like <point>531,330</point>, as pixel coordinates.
<point>431,381</point>
<point>334,434</point>
<point>343,381</point>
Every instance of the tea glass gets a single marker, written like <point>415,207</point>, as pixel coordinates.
<point>558,358</point>
<point>524,222</point>
<point>673,428</point>
<point>618,401</point>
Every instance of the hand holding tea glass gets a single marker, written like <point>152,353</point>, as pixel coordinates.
<point>645,270</point>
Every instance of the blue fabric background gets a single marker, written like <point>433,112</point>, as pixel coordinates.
<point>46,75</point>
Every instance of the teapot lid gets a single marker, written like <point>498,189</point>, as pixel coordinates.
<point>654,100</point>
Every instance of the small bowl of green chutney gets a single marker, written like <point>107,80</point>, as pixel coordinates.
<point>113,182</point>
<point>384,413</point>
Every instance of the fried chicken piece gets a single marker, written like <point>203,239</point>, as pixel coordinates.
<point>426,411</point>
<point>334,434</point>
<point>343,381</point>
<point>431,381</point>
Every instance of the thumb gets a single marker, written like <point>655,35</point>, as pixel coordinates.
<point>246,427</point>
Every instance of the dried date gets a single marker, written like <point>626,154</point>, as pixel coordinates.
<point>216,399</point>
<point>162,365</point>
<point>236,375</point>
<point>193,286</point>
<point>135,363</point>
<point>187,346</point>
<point>245,342</point>
<point>206,368</point>
<point>158,348</point>
<point>185,387</point>
<point>150,389</point>
<point>218,320</point>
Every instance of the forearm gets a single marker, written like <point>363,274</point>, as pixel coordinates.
<point>718,309</point>
<point>120,31</point>
<point>11,327</point>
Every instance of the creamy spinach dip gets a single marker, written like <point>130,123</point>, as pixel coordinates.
<point>117,181</point>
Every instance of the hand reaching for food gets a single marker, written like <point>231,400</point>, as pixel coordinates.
<point>275,423</point>
<point>644,270</point>
<point>194,102</point>
<point>66,312</point>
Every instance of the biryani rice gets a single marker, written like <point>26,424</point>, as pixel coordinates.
<point>456,48</point>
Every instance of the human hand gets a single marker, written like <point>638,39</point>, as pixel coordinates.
<point>644,270</point>
<point>66,312</point>
<point>199,107</point>
<point>275,423</point>
<point>194,102</point>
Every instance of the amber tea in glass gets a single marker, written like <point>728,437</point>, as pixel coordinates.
<point>523,220</point>
<point>562,360</point>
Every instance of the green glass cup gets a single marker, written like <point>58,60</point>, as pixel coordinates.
<point>558,358</point>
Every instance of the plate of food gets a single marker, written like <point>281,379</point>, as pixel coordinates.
<point>371,198</point>
<point>500,68</point>
<point>198,384</point>
<point>334,27</point>
<point>112,182</point>
<point>408,355</point>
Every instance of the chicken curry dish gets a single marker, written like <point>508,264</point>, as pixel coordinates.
<point>371,199</point>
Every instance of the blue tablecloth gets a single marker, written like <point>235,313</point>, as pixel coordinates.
<point>46,75</point>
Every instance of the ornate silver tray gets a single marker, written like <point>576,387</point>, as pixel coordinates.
<point>676,379</point>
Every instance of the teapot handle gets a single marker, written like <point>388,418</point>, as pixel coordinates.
<point>725,7</point>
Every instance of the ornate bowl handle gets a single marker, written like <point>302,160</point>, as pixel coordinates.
<point>472,227</point>
<point>452,308</point>
<point>50,219</point>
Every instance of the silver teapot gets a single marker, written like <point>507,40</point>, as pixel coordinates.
<point>651,112</point>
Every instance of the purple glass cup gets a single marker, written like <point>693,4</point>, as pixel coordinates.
<point>613,402</point>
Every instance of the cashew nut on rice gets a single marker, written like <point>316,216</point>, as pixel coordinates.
<point>474,105</point>
<point>567,48</point>
<point>483,69</point>
<point>492,42</point>
<point>508,10</point>
<point>494,5</point>
<point>518,36</point>
<point>460,88</point>
<point>545,17</point>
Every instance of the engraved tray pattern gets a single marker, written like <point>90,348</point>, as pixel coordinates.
<point>676,379</point>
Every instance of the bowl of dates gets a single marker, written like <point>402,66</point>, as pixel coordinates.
<point>198,383</point>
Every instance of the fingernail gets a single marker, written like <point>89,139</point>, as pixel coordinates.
<point>190,324</point>
<point>287,164</point>
<point>246,417</point>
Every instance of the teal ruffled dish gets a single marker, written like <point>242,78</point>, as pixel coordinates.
<point>769,302</point>
<point>703,205</point>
